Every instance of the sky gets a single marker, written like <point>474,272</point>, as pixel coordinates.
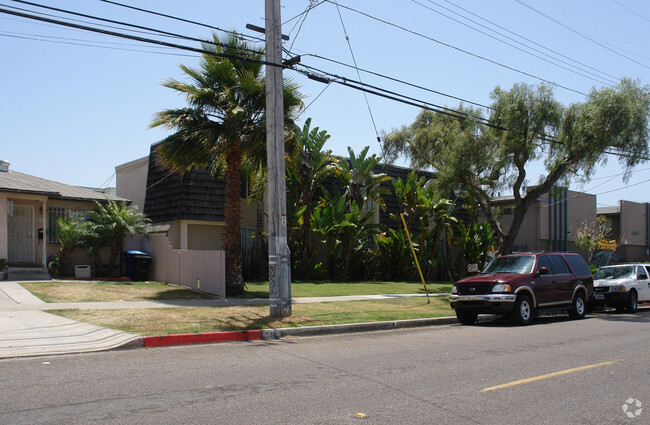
<point>75,104</point>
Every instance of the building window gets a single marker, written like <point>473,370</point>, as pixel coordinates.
<point>56,213</point>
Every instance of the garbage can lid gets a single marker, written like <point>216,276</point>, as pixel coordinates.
<point>134,252</point>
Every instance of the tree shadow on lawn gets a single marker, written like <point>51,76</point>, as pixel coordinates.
<point>179,294</point>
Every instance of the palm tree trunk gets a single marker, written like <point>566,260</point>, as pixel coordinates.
<point>232,217</point>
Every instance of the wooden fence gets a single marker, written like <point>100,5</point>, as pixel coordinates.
<point>203,270</point>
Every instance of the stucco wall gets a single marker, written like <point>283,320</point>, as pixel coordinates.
<point>633,223</point>
<point>205,237</point>
<point>534,232</point>
<point>131,181</point>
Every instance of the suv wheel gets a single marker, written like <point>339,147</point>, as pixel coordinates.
<point>523,311</point>
<point>631,304</point>
<point>578,307</point>
<point>466,317</point>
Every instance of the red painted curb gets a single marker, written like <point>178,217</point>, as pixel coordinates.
<point>204,338</point>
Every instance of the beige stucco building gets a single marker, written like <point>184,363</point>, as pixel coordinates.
<point>630,224</point>
<point>29,209</point>
<point>552,220</point>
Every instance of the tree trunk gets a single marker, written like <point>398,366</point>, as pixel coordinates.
<point>232,217</point>
<point>519,213</point>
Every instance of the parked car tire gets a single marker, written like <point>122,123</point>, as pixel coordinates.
<point>523,312</point>
<point>466,317</point>
<point>578,307</point>
<point>631,304</point>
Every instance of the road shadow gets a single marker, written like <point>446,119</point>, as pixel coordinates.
<point>492,321</point>
<point>541,319</point>
<point>641,316</point>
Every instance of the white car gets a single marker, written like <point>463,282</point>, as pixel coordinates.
<point>622,286</point>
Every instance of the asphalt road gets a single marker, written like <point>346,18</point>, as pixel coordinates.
<point>555,371</point>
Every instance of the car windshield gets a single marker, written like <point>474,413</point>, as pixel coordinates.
<point>615,272</point>
<point>513,264</point>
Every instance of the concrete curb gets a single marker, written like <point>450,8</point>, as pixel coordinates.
<point>268,334</point>
<point>355,327</point>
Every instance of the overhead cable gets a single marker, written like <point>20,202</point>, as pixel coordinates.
<point>356,67</point>
<point>550,60</point>
<point>460,50</point>
<point>581,34</point>
<point>529,40</point>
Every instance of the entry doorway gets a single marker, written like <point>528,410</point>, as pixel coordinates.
<point>21,235</point>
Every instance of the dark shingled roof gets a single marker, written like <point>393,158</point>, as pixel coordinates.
<point>193,196</point>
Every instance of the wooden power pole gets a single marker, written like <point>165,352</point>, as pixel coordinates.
<point>279,257</point>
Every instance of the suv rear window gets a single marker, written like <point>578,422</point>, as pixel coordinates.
<point>578,264</point>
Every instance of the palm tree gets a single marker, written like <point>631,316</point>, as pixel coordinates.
<point>112,222</point>
<point>361,183</point>
<point>224,120</point>
<point>307,169</point>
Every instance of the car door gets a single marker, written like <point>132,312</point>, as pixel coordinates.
<point>545,284</point>
<point>564,280</point>
<point>643,275</point>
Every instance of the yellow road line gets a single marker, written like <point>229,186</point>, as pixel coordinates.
<point>550,375</point>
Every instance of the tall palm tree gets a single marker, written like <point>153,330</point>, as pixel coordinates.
<point>224,120</point>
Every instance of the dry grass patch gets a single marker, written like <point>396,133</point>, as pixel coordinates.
<point>98,291</point>
<point>166,321</point>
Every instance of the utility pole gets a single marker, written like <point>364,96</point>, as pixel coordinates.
<point>279,257</point>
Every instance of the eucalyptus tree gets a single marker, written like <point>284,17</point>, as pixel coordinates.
<point>526,124</point>
<point>224,120</point>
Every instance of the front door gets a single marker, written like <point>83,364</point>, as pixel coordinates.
<point>21,234</point>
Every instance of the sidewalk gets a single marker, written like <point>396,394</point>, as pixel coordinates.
<point>26,329</point>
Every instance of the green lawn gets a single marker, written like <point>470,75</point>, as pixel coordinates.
<point>328,289</point>
<point>91,291</point>
<point>166,321</point>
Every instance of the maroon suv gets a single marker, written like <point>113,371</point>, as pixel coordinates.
<point>520,285</point>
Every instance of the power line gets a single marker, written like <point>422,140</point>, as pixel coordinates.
<point>140,27</point>
<point>630,10</point>
<point>397,80</point>
<point>312,102</point>
<point>86,43</point>
<point>531,41</point>
<point>356,67</point>
<point>594,76</point>
<point>312,5</point>
<point>581,34</point>
<point>339,80</point>
<point>141,39</point>
<point>139,9</point>
<point>459,49</point>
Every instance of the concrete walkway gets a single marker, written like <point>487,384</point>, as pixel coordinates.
<point>26,329</point>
